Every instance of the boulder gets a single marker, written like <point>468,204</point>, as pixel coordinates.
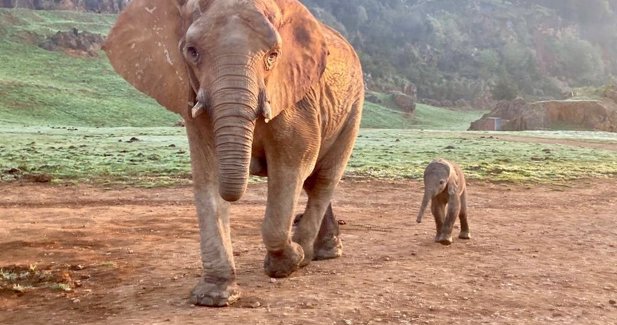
<point>403,101</point>
<point>74,41</point>
<point>372,98</point>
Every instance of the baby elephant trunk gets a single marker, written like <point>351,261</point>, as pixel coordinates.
<point>427,197</point>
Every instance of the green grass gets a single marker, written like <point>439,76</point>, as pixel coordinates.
<point>72,118</point>
<point>436,118</point>
<point>160,156</point>
<point>379,117</point>
<point>426,117</point>
<point>482,155</point>
<point>40,87</point>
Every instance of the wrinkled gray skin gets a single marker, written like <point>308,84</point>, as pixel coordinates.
<point>445,188</point>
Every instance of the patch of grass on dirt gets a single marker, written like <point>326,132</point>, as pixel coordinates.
<point>21,279</point>
<point>151,157</point>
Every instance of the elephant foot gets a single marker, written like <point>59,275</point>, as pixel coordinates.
<point>328,248</point>
<point>444,239</point>
<point>464,235</point>
<point>282,264</point>
<point>218,294</point>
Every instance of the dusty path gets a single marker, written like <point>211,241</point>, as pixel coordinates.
<point>538,255</point>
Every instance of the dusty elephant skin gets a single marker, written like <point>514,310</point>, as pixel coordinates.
<point>444,186</point>
<point>270,92</point>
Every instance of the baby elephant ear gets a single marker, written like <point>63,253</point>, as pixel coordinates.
<point>303,56</point>
<point>143,48</point>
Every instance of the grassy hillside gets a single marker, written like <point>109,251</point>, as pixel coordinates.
<point>425,117</point>
<point>52,88</point>
<point>39,87</point>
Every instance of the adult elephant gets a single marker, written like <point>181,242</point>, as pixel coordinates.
<point>270,92</point>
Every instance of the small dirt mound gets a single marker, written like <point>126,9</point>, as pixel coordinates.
<point>74,42</point>
<point>16,174</point>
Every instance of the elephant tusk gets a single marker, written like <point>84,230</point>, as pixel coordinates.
<point>267,112</point>
<point>197,110</point>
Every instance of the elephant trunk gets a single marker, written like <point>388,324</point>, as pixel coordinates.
<point>234,112</point>
<point>427,197</point>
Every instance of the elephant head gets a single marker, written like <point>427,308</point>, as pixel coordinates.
<point>235,61</point>
<point>438,176</point>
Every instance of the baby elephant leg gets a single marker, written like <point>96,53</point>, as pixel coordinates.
<point>438,209</point>
<point>464,234</point>
<point>445,236</point>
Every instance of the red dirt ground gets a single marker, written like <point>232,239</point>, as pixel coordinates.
<point>541,254</point>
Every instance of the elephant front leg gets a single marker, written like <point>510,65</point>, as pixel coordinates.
<point>445,236</point>
<point>283,256</point>
<point>438,210</point>
<point>217,286</point>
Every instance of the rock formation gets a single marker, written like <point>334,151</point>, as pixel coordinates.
<point>517,115</point>
<point>75,42</point>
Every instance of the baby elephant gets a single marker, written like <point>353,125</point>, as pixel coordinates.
<point>444,183</point>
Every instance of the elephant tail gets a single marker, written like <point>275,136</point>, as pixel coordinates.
<point>425,200</point>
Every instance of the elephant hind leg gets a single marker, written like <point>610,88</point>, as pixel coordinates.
<point>328,243</point>
<point>464,234</point>
<point>318,230</point>
<point>309,225</point>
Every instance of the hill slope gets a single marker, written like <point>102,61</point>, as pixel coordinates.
<point>40,87</point>
<point>47,87</point>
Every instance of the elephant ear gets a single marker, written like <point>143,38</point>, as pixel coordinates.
<point>303,56</point>
<point>143,48</point>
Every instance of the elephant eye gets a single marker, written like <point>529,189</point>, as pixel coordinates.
<point>192,53</point>
<point>271,59</point>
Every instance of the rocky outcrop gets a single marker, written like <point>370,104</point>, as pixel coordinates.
<point>517,115</point>
<point>111,6</point>
<point>404,102</point>
<point>74,42</point>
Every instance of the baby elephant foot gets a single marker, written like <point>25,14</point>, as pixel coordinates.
<point>327,248</point>
<point>444,239</point>
<point>215,294</point>
<point>282,264</point>
<point>464,235</point>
